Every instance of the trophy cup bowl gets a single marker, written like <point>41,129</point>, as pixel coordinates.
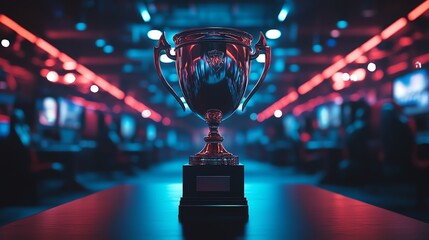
<point>213,66</point>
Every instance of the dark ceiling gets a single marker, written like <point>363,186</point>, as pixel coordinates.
<point>130,66</point>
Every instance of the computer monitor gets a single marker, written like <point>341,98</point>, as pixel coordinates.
<point>47,111</point>
<point>410,91</point>
<point>70,114</point>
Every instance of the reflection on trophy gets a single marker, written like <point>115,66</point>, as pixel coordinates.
<point>213,65</point>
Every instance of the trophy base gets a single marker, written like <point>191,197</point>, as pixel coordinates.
<point>211,191</point>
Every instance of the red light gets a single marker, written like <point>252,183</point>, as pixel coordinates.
<point>166,121</point>
<point>355,54</point>
<point>52,76</point>
<point>397,68</point>
<point>50,62</point>
<point>418,11</point>
<point>47,47</point>
<point>331,70</point>
<point>17,28</point>
<point>371,43</point>
<point>393,28</point>
<point>378,75</point>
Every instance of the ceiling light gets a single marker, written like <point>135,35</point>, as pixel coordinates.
<point>273,33</point>
<point>317,48</point>
<point>335,33</point>
<point>146,113</point>
<point>52,76</point>
<point>278,113</point>
<point>94,88</point>
<point>100,42</point>
<point>283,13</point>
<point>341,24</point>
<point>69,78</point>
<point>5,43</point>
<point>80,26</point>
<point>371,67</point>
<point>154,34</point>
<point>108,49</point>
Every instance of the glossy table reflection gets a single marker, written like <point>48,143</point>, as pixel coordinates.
<point>275,212</point>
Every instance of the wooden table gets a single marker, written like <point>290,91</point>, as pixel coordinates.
<point>275,212</point>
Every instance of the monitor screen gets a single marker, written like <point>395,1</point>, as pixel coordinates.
<point>4,126</point>
<point>410,91</point>
<point>70,114</point>
<point>128,127</point>
<point>323,116</point>
<point>48,110</point>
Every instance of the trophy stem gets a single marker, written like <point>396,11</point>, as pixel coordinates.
<point>213,152</point>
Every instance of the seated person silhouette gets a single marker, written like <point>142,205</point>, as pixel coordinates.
<point>17,183</point>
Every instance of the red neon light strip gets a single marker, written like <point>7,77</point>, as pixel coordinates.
<point>371,43</point>
<point>85,72</point>
<point>352,56</point>
<point>54,52</point>
<point>397,68</point>
<point>418,11</point>
<point>331,70</point>
<point>393,28</point>
<point>18,29</point>
<point>355,54</point>
<point>267,113</point>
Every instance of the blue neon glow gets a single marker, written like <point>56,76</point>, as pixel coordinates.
<point>151,132</point>
<point>253,116</point>
<point>145,15</point>
<point>331,42</point>
<point>317,48</point>
<point>108,49</point>
<point>294,68</point>
<point>283,14</point>
<point>273,34</point>
<point>100,42</point>
<point>80,26</point>
<point>127,68</point>
<point>342,24</point>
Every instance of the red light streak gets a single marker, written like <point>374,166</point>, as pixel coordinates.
<point>331,70</point>
<point>267,113</point>
<point>85,72</point>
<point>355,54</point>
<point>418,11</point>
<point>51,50</point>
<point>397,68</point>
<point>393,28</point>
<point>371,43</point>
<point>17,28</point>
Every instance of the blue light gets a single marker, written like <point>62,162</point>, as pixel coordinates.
<point>108,49</point>
<point>100,42</point>
<point>145,15</point>
<point>151,132</point>
<point>279,65</point>
<point>294,68</point>
<point>127,68</point>
<point>283,14</point>
<point>253,116</point>
<point>342,24</point>
<point>317,48</point>
<point>331,42</point>
<point>80,26</point>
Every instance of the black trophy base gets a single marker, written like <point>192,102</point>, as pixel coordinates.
<point>213,192</point>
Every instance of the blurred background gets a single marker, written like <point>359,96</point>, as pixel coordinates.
<point>345,104</point>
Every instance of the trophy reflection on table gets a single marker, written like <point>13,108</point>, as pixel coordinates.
<point>213,66</point>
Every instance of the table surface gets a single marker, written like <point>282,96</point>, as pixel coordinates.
<point>275,212</point>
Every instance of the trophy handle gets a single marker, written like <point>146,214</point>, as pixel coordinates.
<point>163,45</point>
<point>260,47</point>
